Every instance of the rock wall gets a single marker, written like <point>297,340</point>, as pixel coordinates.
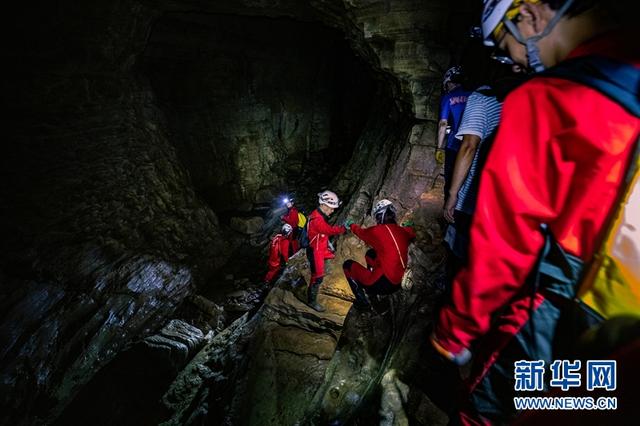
<point>101,233</point>
<point>282,371</point>
<point>103,227</point>
<point>252,100</point>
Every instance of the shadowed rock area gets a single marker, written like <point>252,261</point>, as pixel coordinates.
<point>149,143</point>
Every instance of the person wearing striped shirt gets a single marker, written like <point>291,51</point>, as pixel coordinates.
<point>479,121</point>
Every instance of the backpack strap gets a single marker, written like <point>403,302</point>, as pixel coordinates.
<point>620,81</point>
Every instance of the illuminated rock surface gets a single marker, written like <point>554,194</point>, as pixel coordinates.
<point>138,130</point>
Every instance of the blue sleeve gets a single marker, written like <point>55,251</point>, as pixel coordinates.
<point>444,108</point>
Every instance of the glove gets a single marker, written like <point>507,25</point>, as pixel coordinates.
<point>408,223</point>
<point>461,358</point>
<point>348,223</point>
<point>439,156</point>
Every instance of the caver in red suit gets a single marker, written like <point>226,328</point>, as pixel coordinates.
<point>319,231</point>
<point>279,252</point>
<point>387,258</point>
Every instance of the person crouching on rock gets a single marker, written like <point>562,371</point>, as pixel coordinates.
<point>318,250</point>
<point>280,249</point>
<point>386,259</point>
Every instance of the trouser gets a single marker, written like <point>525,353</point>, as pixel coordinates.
<point>491,383</point>
<point>370,279</point>
<point>316,264</point>
<point>272,273</point>
<point>458,249</point>
<point>449,163</point>
<point>550,332</point>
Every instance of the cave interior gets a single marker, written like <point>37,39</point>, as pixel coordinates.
<point>150,146</point>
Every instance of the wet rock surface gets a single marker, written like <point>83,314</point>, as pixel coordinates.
<point>62,336</point>
<point>177,340</point>
<point>122,161</point>
<point>127,390</point>
<point>289,364</point>
<point>247,225</point>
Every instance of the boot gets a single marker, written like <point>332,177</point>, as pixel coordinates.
<point>312,294</point>
<point>359,293</point>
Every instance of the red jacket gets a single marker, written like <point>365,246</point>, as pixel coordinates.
<point>291,217</point>
<point>391,259</point>
<point>559,158</point>
<point>278,250</point>
<point>319,232</point>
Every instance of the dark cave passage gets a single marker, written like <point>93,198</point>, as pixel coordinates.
<point>148,147</point>
<point>257,106</point>
<point>151,146</point>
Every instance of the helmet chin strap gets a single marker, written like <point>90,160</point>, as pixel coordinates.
<point>533,55</point>
<point>531,43</point>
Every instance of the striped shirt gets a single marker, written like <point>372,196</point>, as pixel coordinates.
<point>481,117</point>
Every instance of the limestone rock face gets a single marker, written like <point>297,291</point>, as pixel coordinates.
<point>128,389</point>
<point>64,335</point>
<point>135,124</point>
<point>247,225</point>
<point>380,346</point>
<point>274,362</point>
<point>250,98</point>
<point>105,235</point>
<point>178,340</point>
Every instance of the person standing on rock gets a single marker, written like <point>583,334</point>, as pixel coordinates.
<point>452,107</point>
<point>386,259</point>
<point>479,122</point>
<point>280,249</point>
<point>319,249</point>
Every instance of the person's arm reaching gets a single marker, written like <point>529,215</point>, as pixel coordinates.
<point>323,227</point>
<point>364,234</point>
<point>464,159</point>
<point>409,231</point>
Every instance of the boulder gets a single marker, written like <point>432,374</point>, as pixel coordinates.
<point>247,225</point>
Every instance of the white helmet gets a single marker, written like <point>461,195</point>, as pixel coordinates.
<point>382,206</point>
<point>492,14</point>
<point>496,11</point>
<point>286,229</point>
<point>329,198</point>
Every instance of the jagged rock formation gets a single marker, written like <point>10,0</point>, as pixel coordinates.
<point>128,389</point>
<point>292,365</point>
<point>124,157</point>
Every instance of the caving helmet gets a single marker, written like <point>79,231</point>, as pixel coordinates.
<point>452,75</point>
<point>287,229</point>
<point>493,15</point>
<point>286,200</point>
<point>381,209</point>
<point>329,198</point>
<point>498,14</point>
